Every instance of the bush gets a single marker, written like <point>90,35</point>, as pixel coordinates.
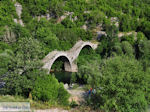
<point>127,48</point>
<point>117,49</point>
<point>68,23</point>
<point>5,59</point>
<point>122,86</point>
<point>145,28</point>
<point>140,37</point>
<point>63,95</point>
<point>84,35</point>
<point>144,53</point>
<point>7,11</point>
<point>47,88</point>
<point>129,38</point>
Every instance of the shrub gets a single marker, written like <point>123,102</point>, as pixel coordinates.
<point>5,59</point>
<point>47,88</point>
<point>129,38</point>
<point>144,53</point>
<point>117,49</point>
<point>145,28</point>
<point>45,35</point>
<point>63,95</point>
<point>68,23</point>
<point>140,37</point>
<point>84,35</point>
<point>127,48</point>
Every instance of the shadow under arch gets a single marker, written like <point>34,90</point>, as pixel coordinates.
<point>85,49</point>
<point>65,64</point>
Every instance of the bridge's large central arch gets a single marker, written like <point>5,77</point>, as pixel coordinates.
<point>66,63</point>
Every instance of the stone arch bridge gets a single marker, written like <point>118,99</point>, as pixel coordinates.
<point>67,56</point>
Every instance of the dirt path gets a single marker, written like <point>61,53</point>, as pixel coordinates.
<point>51,110</point>
<point>77,96</point>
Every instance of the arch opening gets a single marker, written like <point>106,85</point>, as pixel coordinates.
<point>61,63</point>
<point>61,68</point>
<point>86,53</point>
<point>87,49</point>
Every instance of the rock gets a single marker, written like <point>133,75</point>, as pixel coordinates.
<point>115,21</point>
<point>9,36</point>
<point>19,12</point>
<point>121,34</point>
<point>87,12</point>
<point>66,86</point>
<point>84,27</point>
<point>18,9</point>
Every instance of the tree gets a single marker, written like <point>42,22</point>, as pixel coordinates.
<point>56,8</point>
<point>144,53</point>
<point>5,59</point>
<point>122,86</point>
<point>127,49</point>
<point>140,37</point>
<point>145,28</point>
<point>125,23</point>
<point>49,39</point>
<point>7,10</point>
<point>107,42</point>
<point>89,69</point>
<point>24,68</point>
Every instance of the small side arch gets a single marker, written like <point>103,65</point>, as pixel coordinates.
<point>77,52</point>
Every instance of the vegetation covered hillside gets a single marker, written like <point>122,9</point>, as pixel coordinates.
<point>118,70</point>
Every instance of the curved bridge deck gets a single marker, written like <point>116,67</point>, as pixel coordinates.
<point>70,55</point>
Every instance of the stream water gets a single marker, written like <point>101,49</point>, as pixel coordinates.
<point>63,76</point>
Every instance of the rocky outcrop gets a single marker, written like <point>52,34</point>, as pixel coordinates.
<point>115,21</point>
<point>19,12</point>
<point>9,36</point>
<point>67,14</point>
<point>121,34</point>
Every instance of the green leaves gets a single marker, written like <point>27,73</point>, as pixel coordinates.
<point>7,11</point>
<point>47,89</point>
<point>21,69</point>
<point>123,82</point>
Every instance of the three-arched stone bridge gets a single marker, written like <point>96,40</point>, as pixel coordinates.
<point>67,56</point>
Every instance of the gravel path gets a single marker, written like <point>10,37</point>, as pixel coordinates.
<point>51,110</point>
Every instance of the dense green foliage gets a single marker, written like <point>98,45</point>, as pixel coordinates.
<point>119,88</point>
<point>118,70</point>
<point>47,88</point>
<point>20,65</point>
<point>22,74</point>
<point>130,13</point>
<point>121,78</point>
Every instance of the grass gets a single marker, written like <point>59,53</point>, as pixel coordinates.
<point>8,98</point>
<point>75,86</point>
<point>33,104</point>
